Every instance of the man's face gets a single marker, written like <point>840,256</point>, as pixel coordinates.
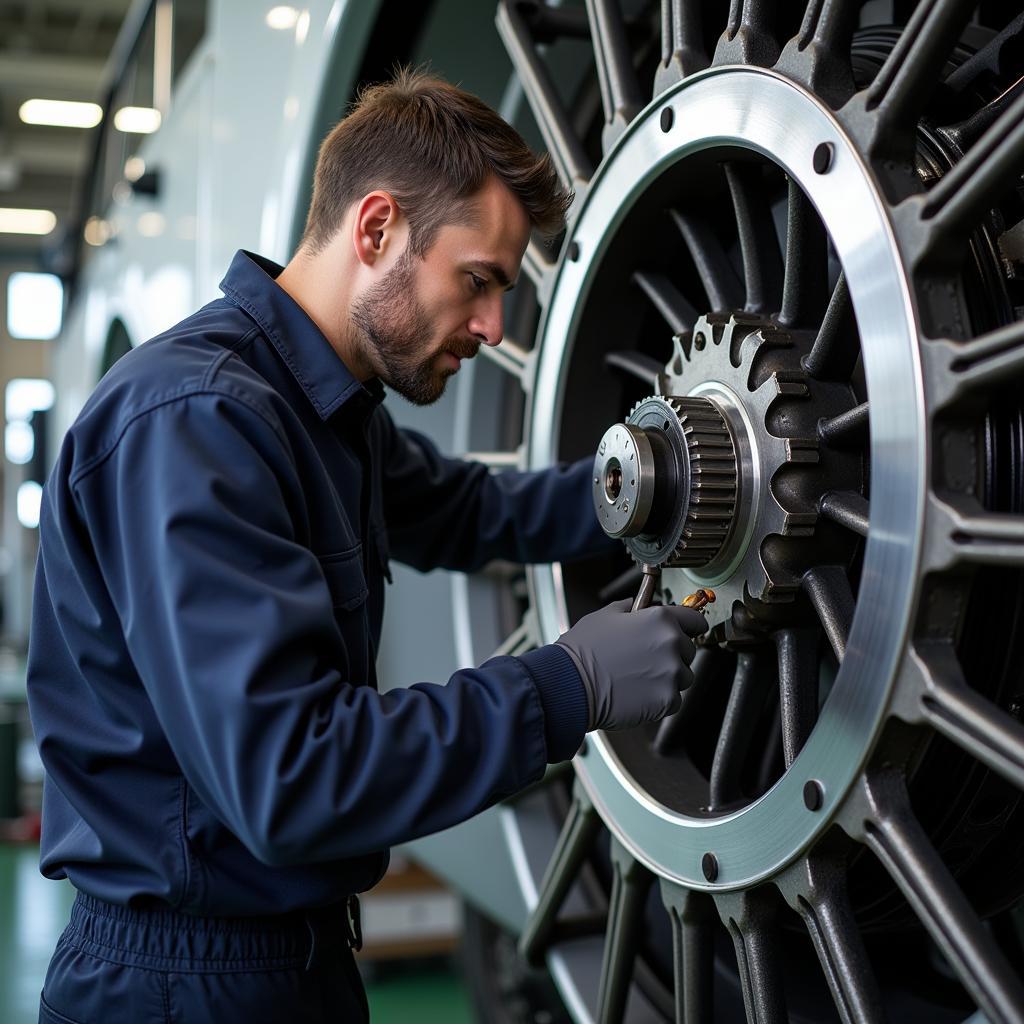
<point>428,314</point>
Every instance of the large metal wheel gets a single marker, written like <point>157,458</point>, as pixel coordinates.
<point>812,225</point>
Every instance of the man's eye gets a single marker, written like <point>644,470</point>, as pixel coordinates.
<point>478,282</point>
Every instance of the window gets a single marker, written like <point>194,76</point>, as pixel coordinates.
<point>35,305</point>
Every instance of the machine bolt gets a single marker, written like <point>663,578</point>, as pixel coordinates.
<point>667,117</point>
<point>822,159</point>
<point>709,865</point>
<point>814,795</point>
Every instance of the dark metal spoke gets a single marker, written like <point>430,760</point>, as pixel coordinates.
<point>670,729</point>
<point>759,245</point>
<point>566,148</point>
<point>834,353</point>
<point>825,907</point>
<point>970,720</point>
<point>636,364</point>
<point>620,89</point>
<point>820,54</point>
<point>667,299</point>
<point>958,200</point>
<point>805,288</point>
<point>750,919</point>
<point>692,916</point>
<point>749,37</point>
<point>963,134</point>
<point>907,79</point>
<point>902,846</point>
<point>847,430</point>
<point>798,687</point>
<point>965,533</point>
<point>745,702</point>
<point>721,284</point>
<point>630,884</point>
<point>996,54</point>
<point>830,593</point>
<point>847,508</point>
<point>682,43</point>
<point>574,844</point>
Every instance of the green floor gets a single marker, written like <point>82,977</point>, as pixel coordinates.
<point>34,910</point>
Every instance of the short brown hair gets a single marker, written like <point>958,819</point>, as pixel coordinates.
<point>432,146</point>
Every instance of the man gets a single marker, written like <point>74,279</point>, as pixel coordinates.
<point>222,774</point>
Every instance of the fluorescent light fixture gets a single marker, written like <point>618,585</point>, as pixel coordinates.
<point>26,222</point>
<point>26,395</point>
<point>282,17</point>
<point>35,305</point>
<point>61,113</point>
<point>137,120</point>
<point>30,499</point>
<point>19,442</point>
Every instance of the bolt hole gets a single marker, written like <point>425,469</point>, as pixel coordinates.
<point>699,341</point>
<point>709,865</point>
<point>574,251</point>
<point>822,158</point>
<point>667,117</point>
<point>612,479</point>
<point>814,795</point>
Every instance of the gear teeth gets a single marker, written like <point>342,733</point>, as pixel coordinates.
<point>713,477</point>
<point>713,482</point>
<point>802,449</point>
<point>799,524</point>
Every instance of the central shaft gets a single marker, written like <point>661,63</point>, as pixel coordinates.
<point>666,483</point>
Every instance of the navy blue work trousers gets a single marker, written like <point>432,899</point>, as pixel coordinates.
<point>115,965</point>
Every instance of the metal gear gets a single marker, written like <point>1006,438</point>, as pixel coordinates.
<point>751,369</point>
<point>666,481</point>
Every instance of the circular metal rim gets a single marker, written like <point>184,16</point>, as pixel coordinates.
<point>740,107</point>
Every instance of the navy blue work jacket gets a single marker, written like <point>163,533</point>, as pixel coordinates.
<point>214,540</point>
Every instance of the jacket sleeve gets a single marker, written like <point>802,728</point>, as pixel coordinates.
<point>456,514</point>
<point>196,520</point>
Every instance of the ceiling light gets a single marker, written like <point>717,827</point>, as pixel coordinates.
<point>96,231</point>
<point>30,501</point>
<point>26,222</point>
<point>61,113</point>
<point>150,224</point>
<point>134,168</point>
<point>282,17</point>
<point>138,120</point>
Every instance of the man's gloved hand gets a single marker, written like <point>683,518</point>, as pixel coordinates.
<point>633,664</point>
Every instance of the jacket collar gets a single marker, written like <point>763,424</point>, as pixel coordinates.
<point>323,376</point>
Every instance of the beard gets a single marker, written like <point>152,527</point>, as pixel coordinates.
<point>394,327</point>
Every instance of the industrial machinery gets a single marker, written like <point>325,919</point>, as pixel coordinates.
<point>786,314</point>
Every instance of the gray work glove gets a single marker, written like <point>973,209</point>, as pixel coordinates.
<point>633,664</point>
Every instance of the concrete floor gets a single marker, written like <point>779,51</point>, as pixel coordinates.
<point>34,911</point>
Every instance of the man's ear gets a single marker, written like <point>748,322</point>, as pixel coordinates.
<point>374,226</point>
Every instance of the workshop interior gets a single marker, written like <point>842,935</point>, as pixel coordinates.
<point>785,319</point>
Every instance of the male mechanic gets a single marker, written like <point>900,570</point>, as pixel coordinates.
<point>222,774</point>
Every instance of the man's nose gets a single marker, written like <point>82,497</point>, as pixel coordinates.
<point>488,323</point>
